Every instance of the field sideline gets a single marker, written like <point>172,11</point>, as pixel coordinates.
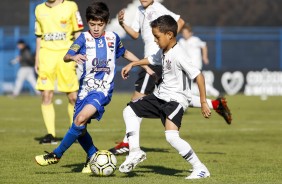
<point>249,151</point>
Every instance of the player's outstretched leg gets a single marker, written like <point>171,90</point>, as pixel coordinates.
<point>223,110</point>
<point>132,160</point>
<point>121,148</point>
<point>47,159</point>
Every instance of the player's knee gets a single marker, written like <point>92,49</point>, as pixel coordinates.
<point>78,130</point>
<point>47,97</point>
<point>80,120</point>
<point>128,111</point>
<point>171,136</point>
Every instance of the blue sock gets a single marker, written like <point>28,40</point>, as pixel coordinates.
<point>87,144</point>
<point>69,139</point>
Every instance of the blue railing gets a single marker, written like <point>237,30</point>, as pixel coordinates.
<point>235,48</point>
<point>230,48</point>
<point>257,37</point>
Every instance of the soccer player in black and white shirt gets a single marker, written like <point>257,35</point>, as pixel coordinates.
<point>168,101</point>
<point>148,11</point>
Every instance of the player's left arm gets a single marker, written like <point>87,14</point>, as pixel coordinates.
<point>125,70</point>
<point>121,51</point>
<point>131,57</point>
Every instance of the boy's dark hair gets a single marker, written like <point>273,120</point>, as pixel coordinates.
<point>98,11</point>
<point>165,23</point>
<point>21,41</point>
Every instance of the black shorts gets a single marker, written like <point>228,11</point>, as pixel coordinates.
<point>145,84</point>
<point>152,107</point>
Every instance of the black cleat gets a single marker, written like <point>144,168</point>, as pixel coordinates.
<point>48,139</point>
<point>120,149</point>
<point>223,110</point>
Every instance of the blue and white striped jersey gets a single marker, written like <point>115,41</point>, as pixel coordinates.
<point>99,69</point>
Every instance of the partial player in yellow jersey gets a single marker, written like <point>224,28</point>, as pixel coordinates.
<point>57,23</point>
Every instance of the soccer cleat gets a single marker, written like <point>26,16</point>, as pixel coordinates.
<point>86,169</point>
<point>198,173</point>
<point>48,139</point>
<point>223,110</point>
<point>132,160</point>
<point>120,149</point>
<point>47,159</point>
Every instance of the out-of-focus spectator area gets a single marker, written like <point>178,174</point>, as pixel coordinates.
<point>244,40</point>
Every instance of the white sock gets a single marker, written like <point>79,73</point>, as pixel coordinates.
<point>132,123</point>
<point>125,140</point>
<point>195,102</point>
<point>183,147</point>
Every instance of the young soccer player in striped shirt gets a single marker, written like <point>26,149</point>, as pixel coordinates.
<point>96,52</point>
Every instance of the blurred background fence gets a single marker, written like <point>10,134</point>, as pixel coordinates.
<point>231,49</point>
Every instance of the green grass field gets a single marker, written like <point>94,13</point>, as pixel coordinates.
<point>248,151</point>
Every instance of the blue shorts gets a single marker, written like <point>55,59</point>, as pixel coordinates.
<point>97,99</point>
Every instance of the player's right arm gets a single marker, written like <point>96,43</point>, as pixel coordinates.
<point>75,53</point>
<point>78,58</point>
<point>133,34</point>
<point>180,24</point>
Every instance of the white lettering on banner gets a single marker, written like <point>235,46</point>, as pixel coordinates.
<point>232,82</point>
<point>263,83</point>
<point>209,79</point>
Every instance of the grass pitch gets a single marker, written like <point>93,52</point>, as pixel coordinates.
<point>248,151</point>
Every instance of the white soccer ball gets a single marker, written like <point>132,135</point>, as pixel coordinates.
<point>58,101</point>
<point>103,163</point>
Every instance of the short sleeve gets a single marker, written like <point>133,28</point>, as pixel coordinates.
<point>201,43</point>
<point>156,59</point>
<point>186,64</point>
<point>77,45</point>
<point>120,50</point>
<point>76,18</point>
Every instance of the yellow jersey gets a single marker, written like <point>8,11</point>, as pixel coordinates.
<point>56,25</point>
